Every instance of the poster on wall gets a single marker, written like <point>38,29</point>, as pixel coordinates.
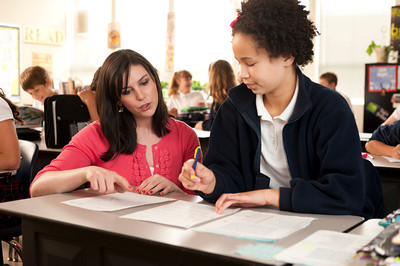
<point>380,94</point>
<point>114,36</point>
<point>43,60</point>
<point>382,78</point>
<point>395,28</point>
<point>170,52</point>
<point>9,59</point>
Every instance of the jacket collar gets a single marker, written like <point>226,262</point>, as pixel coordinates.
<point>244,99</point>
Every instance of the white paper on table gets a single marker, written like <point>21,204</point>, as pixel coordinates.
<point>324,248</point>
<point>179,213</point>
<point>391,159</point>
<point>254,225</point>
<point>115,201</point>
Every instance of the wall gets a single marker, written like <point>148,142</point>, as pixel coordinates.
<point>38,13</point>
<point>347,28</point>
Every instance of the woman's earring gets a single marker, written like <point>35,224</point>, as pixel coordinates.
<point>121,109</point>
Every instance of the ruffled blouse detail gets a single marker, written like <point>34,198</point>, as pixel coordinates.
<point>140,166</point>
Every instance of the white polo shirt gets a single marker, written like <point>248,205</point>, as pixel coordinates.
<point>273,162</point>
<point>180,100</point>
<point>6,114</point>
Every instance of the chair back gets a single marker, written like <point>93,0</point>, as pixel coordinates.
<point>27,170</point>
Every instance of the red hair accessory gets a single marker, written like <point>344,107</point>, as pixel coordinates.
<point>234,21</point>
<point>238,15</point>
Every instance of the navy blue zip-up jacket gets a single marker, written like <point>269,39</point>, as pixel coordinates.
<point>321,143</point>
<point>207,124</point>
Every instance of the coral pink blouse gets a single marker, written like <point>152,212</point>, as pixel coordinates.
<point>169,154</point>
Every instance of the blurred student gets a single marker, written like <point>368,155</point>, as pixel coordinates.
<point>280,139</point>
<point>330,80</point>
<point>221,78</point>
<point>385,140</point>
<point>135,142</point>
<point>10,157</point>
<point>180,94</point>
<point>36,81</point>
<point>88,97</point>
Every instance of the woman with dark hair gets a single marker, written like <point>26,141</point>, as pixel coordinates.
<point>134,143</point>
<point>10,157</point>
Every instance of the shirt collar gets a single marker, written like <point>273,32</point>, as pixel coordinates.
<point>285,115</point>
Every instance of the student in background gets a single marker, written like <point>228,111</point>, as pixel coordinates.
<point>330,80</point>
<point>88,97</point>
<point>385,140</point>
<point>221,79</point>
<point>180,94</point>
<point>36,81</point>
<point>135,142</point>
<point>280,139</point>
<point>10,157</point>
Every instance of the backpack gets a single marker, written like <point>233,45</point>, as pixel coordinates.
<point>64,116</point>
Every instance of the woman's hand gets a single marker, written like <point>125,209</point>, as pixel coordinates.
<point>106,181</point>
<point>157,183</point>
<point>248,199</point>
<point>203,178</point>
<point>87,96</point>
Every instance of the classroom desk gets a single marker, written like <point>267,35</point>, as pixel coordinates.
<point>390,177</point>
<point>369,228</point>
<point>364,137</point>
<point>58,234</point>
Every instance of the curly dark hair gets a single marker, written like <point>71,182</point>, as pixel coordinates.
<point>279,26</point>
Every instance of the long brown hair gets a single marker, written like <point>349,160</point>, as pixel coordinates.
<point>221,79</point>
<point>174,86</point>
<point>119,128</point>
<point>13,107</point>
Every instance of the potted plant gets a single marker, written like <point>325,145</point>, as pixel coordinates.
<point>382,52</point>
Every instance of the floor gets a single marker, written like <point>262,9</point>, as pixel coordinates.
<point>5,255</point>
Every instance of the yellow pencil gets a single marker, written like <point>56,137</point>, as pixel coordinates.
<point>196,159</point>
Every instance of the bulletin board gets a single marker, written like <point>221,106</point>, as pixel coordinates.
<point>381,94</point>
<point>9,59</point>
<point>382,78</point>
